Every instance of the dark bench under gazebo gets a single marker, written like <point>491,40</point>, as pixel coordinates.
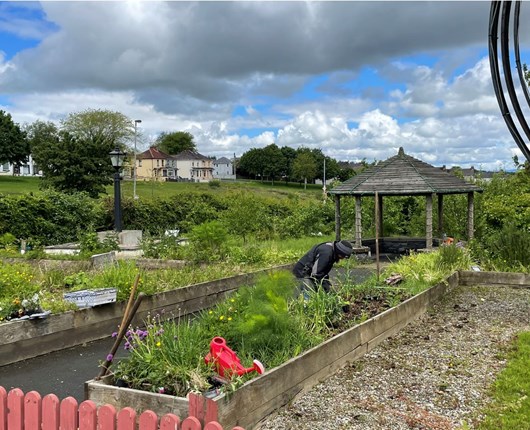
<point>403,175</point>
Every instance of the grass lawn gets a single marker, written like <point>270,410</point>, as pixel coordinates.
<point>152,189</point>
<point>510,408</point>
<point>18,184</point>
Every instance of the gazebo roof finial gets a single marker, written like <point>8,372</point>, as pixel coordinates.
<point>401,152</point>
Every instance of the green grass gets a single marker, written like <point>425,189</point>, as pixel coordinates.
<point>18,184</point>
<point>152,189</point>
<point>510,408</point>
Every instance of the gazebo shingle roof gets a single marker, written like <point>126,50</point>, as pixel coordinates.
<point>404,175</point>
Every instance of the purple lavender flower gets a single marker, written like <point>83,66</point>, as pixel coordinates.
<point>114,334</point>
<point>110,357</point>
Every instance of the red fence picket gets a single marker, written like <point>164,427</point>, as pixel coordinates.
<point>31,412</point>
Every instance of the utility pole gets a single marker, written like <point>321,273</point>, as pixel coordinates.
<point>324,187</point>
<point>136,122</point>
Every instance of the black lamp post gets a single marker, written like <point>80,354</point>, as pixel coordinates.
<point>116,157</point>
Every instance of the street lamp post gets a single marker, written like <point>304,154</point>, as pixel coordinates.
<point>116,157</point>
<point>136,122</point>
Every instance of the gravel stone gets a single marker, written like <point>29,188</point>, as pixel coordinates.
<point>434,374</point>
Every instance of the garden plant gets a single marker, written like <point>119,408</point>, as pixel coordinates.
<point>269,322</point>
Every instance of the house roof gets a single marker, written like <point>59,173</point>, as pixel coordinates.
<point>190,155</point>
<point>404,175</point>
<point>222,160</point>
<point>153,154</point>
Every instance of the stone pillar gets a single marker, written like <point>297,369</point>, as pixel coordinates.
<point>337,217</point>
<point>358,222</point>
<point>428,223</point>
<point>440,215</point>
<point>470,215</point>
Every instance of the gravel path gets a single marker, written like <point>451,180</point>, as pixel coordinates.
<point>433,375</point>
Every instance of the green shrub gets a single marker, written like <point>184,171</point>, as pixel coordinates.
<point>207,242</point>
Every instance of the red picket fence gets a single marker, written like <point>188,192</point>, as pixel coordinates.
<point>31,412</point>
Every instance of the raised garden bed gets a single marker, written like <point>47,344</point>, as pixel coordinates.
<point>259,397</point>
<point>20,340</point>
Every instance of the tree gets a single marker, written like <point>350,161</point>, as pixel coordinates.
<point>77,157</point>
<point>104,128</point>
<point>40,133</point>
<point>71,164</point>
<point>14,147</point>
<point>289,155</point>
<point>251,163</point>
<point>274,161</point>
<point>304,167</point>
<point>175,142</point>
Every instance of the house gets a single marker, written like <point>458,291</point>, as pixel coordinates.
<point>29,168</point>
<point>471,174</point>
<point>194,166</point>
<point>223,169</point>
<point>154,164</point>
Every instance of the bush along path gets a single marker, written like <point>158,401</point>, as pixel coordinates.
<point>435,374</point>
<point>266,322</point>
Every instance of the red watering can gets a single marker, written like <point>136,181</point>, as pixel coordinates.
<point>226,361</point>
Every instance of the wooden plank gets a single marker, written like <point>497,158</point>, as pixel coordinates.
<point>126,419</point>
<point>50,412</point>
<point>139,400</point>
<point>32,411</point>
<point>20,340</point>
<point>88,416</point>
<point>106,418</point>
<point>15,407</point>
<point>3,408</point>
<point>68,414</point>
<point>260,396</point>
<point>494,278</point>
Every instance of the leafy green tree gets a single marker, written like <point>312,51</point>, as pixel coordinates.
<point>289,155</point>
<point>304,167</point>
<point>252,163</point>
<point>71,163</point>
<point>14,147</point>
<point>104,128</point>
<point>40,133</point>
<point>240,217</point>
<point>175,142</point>
<point>274,161</point>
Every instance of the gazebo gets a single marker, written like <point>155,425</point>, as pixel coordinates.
<point>403,175</point>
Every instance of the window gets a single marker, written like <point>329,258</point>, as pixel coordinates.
<point>139,163</point>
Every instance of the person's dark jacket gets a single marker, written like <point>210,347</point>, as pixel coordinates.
<point>317,263</point>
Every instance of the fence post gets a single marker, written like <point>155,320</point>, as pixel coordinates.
<point>3,408</point>
<point>191,423</point>
<point>148,421</point>
<point>15,406</point>
<point>32,411</point>
<point>126,419</point>
<point>169,422</point>
<point>107,418</point>
<point>50,412</point>
<point>88,415</point>
<point>68,414</point>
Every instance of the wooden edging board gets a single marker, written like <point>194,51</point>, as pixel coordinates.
<point>20,340</point>
<point>259,397</point>
<point>521,280</point>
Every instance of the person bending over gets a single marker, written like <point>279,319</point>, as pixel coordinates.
<point>314,267</point>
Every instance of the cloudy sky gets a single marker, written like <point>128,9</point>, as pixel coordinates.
<point>356,79</point>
